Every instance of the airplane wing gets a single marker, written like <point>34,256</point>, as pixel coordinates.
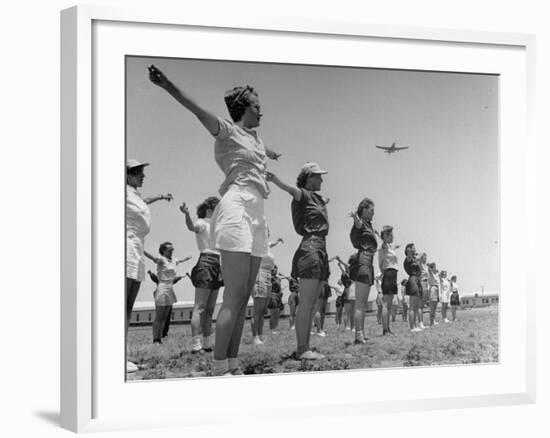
<point>383,147</point>
<point>401,148</point>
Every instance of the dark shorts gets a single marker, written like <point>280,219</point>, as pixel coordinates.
<point>413,287</point>
<point>310,260</point>
<point>389,282</point>
<point>207,274</point>
<point>361,268</point>
<point>275,302</point>
<point>339,301</point>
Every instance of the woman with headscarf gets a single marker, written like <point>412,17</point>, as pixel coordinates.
<point>206,275</point>
<point>310,262</point>
<point>363,239</point>
<point>238,227</point>
<point>138,224</point>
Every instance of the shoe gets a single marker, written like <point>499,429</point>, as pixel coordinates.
<point>421,326</point>
<point>131,367</point>
<point>274,332</point>
<point>197,351</point>
<point>353,330</point>
<point>436,323</point>
<point>446,321</point>
<point>207,349</point>
<point>311,355</point>
<point>292,327</point>
<point>157,341</point>
<point>416,330</point>
<point>384,332</point>
<point>359,342</point>
<point>258,341</point>
<point>323,334</point>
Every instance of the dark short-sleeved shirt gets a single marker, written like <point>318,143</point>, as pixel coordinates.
<point>363,238</point>
<point>412,267</point>
<point>309,214</point>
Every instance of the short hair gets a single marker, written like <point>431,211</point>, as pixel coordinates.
<point>403,282</point>
<point>386,229</point>
<point>208,204</point>
<point>409,246</point>
<point>453,278</point>
<point>163,247</point>
<point>301,181</point>
<point>237,102</point>
<point>133,171</point>
<point>365,203</point>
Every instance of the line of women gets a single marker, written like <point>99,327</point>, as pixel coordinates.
<point>238,236</point>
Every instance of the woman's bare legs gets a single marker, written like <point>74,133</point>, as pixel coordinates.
<point>309,291</point>
<point>239,274</point>
<point>387,301</point>
<point>257,322</point>
<point>361,298</point>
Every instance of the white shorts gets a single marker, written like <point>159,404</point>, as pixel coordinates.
<point>135,259</point>
<point>238,223</point>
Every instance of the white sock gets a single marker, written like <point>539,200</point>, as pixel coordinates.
<point>233,363</point>
<point>219,367</point>
<point>197,343</point>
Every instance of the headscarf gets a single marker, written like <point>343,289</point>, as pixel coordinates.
<point>236,101</point>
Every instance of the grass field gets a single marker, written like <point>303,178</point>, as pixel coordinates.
<point>473,338</point>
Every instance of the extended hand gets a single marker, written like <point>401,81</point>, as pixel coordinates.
<point>168,197</point>
<point>272,154</point>
<point>184,209</point>
<point>157,77</point>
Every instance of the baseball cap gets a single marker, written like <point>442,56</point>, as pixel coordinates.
<point>313,168</point>
<point>132,162</point>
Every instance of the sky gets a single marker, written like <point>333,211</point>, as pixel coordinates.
<point>442,193</point>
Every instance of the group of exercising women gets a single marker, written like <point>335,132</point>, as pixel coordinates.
<point>233,240</point>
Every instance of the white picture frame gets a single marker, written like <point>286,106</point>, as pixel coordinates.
<point>93,393</point>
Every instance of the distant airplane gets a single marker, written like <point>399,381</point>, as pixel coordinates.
<point>391,149</point>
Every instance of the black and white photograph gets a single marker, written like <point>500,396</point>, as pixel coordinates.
<point>288,218</point>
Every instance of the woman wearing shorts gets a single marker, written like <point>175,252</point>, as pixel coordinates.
<point>445,295</point>
<point>293,301</point>
<point>310,262</point>
<point>413,289</point>
<point>363,239</point>
<point>164,294</point>
<point>433,283</point>
<point>455,298</point>
<point>262,294</point>
<point>138,225</point>
<point>425,288</point>
<point>238,225</point>
<point>387,261</point>
<point>206,275</point>
<point>275,300</point>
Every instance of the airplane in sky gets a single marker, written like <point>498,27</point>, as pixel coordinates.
<point>391,149</point>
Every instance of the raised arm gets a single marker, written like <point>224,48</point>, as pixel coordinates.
<point>295,192</point>
<point>191,226</point>
<point>208,120</point>
<point>356,219</point>
<point>279,240</point>
<point>166,197</point>
<point>151,257</point>
<point>178,261</point>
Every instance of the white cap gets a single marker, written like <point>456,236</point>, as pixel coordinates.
<point>132,162</point>
<point>313,168</point>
